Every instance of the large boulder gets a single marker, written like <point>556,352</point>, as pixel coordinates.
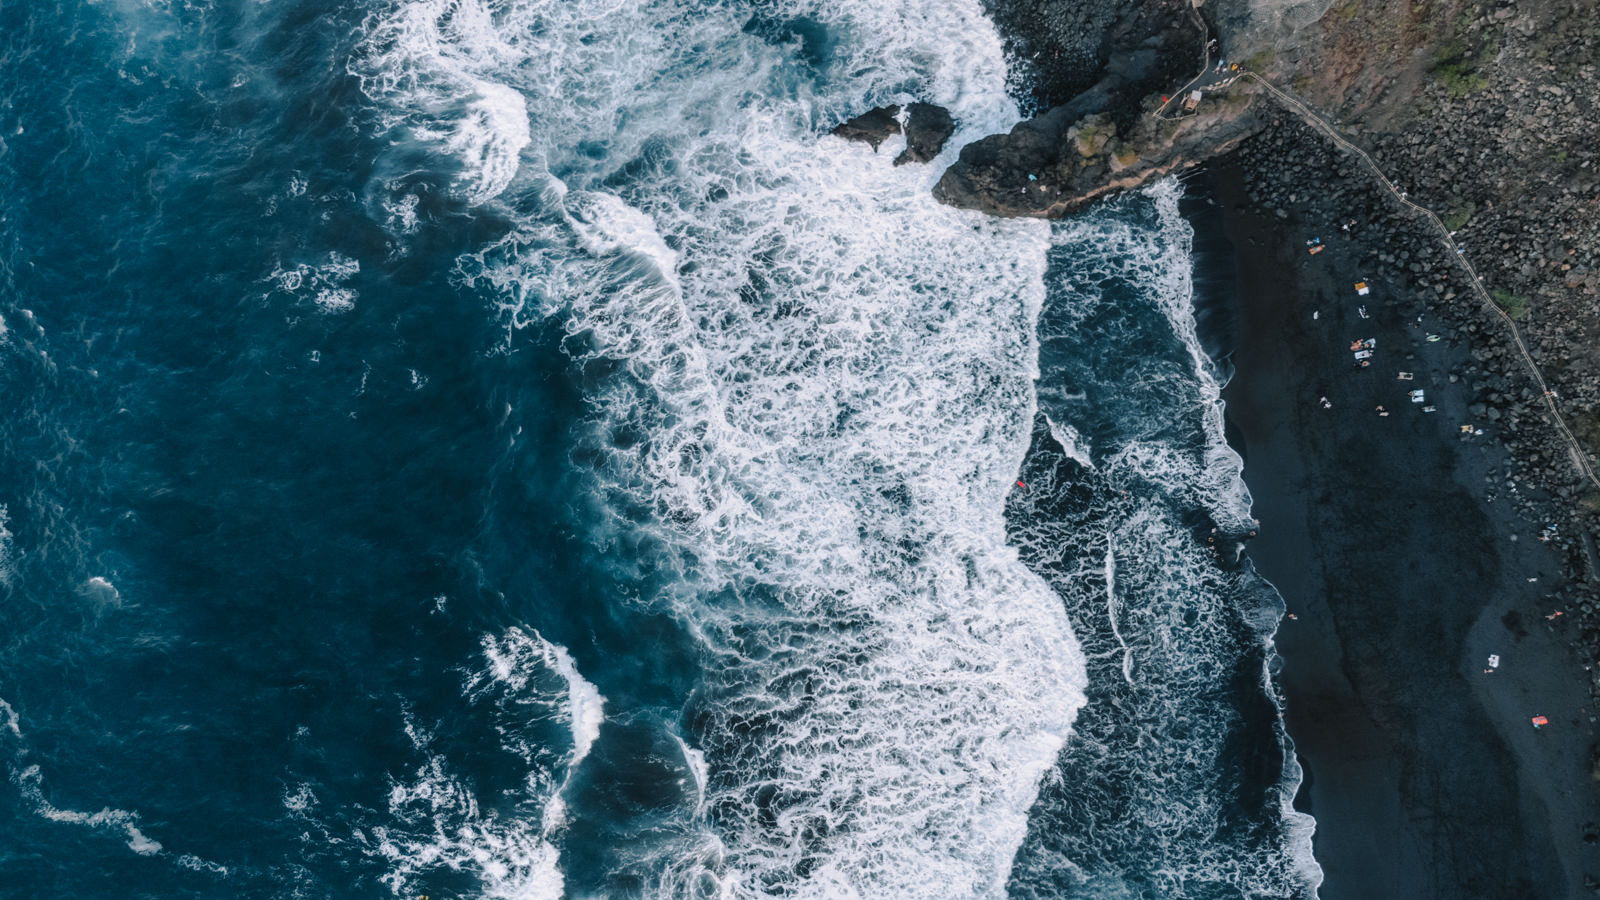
<point>873,126</point>
<point>927,129</point>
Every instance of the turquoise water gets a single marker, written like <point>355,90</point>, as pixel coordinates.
<point>508,450</point>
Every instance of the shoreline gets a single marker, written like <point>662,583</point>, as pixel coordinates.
<point>1383,536</point>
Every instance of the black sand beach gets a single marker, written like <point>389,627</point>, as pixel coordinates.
<point>1404,565</point>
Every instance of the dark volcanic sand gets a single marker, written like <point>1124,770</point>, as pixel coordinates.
<point>1425,775</point>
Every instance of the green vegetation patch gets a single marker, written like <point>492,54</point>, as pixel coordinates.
<point>1094,135</point>
<point>1515,305</point>
<point>1452,68</point>
<point>1457,216</point>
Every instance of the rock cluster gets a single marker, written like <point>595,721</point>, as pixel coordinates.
<point>1076,154</point>
<point>927,129</point>
<point>1294,173</point>
<point>1503,146</point>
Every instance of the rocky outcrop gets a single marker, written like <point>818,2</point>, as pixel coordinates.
<point>1105,138</point>
<point>927,129</point>
<point>872,127</point>
<point>1076,154</point>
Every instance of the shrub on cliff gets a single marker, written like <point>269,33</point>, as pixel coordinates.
<point>1451,69</point>
<point>1515,305</point>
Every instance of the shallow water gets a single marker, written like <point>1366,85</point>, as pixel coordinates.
<point>508,450</point>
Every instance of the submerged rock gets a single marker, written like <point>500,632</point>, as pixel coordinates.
<point>927,128</point>
<point>873,126</point>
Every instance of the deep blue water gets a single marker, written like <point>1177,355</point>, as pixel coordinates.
<point>504,450</point>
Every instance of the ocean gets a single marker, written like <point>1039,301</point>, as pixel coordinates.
<point>508,449</point>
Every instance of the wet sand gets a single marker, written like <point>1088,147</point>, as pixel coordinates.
<point>1402,574</point>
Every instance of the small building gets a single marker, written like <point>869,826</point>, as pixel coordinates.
<point>1192,102</point>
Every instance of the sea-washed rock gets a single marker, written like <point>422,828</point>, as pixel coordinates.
<point>927,128</point>
<point>871,127</point>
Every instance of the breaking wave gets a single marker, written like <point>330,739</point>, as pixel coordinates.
<point>810,389</point>
<point>1179,780</point>
<point>438,821</point>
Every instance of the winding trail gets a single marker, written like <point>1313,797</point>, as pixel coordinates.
<point>1311,117</point>
<point>1208,78</point>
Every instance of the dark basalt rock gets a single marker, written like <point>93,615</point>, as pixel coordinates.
<point>1105,138</point>
<point>873,126</point>
<point>927,128</point>
<point>1056,164</point>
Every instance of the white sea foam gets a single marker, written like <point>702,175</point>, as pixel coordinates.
<point>695,762</point>
<point>102,592</point>
<point>1073,444</point>
<point>1150,786</point>
<point>832,375</point>
<point>29,781</point>
<point>1206,469</point>
<point>5,547</point>
<point>196,864</point>
<point>434,817</point>
<point>517,656</point>
<point>9,718</point>
<point>433,57</point>
<point>323,284</point>
<point>435,822</point>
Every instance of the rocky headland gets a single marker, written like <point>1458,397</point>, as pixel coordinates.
<point>1121,131</point>
<point>1482,111</point>
<point>1471,531</point>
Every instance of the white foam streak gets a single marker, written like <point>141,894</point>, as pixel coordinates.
<point>1073,444</point>
<point>1111,610</point>
<point>9,717</point>
<point>517,657</point>
<point>6,562</point>
<point>30,781</point>
<point>1223,474</point>
<point>434,818</point>
<point>695,761</point>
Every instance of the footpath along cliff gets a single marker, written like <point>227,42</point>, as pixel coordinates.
<point>1411,546</point>
<point>1482,112</point>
